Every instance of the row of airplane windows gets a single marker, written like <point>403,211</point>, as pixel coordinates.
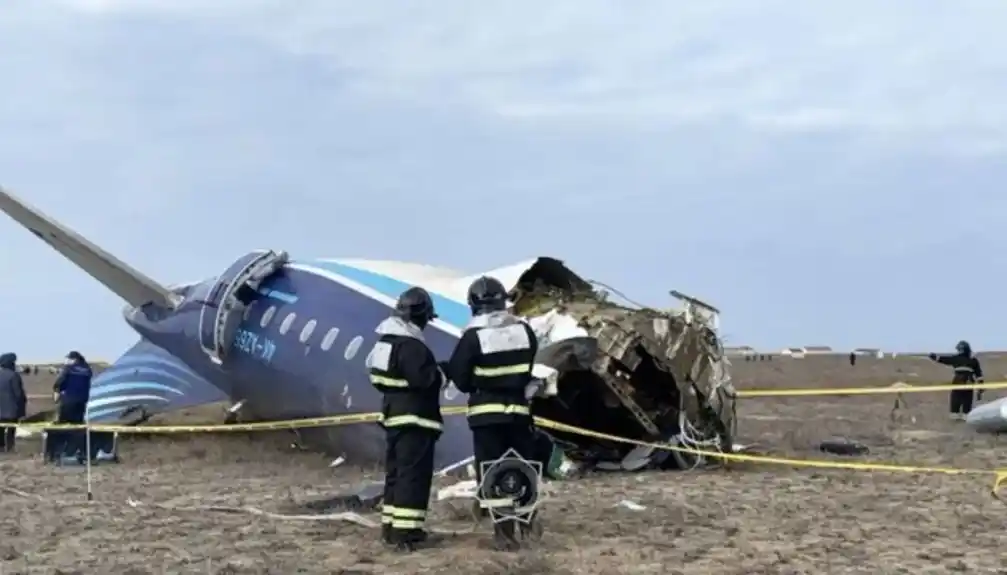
<point>306,332</point>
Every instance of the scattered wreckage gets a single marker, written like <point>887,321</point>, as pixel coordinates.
<point>627,371</point>
<point>989,417</point>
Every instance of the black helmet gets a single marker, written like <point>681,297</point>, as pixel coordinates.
<point>487,294</point>
<point>963,348</point>
<point>416,306</point>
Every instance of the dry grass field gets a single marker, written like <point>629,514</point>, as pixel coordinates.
<point>745,520</point>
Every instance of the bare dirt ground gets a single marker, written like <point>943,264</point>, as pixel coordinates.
<point>749,519</point>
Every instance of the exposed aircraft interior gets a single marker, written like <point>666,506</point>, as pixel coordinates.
<point>625,370</point>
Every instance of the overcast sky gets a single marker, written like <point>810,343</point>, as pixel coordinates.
<point>825,172</point>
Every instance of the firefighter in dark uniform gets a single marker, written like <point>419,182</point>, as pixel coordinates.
<point>966,371</point>
<point>405,371</point>
<point>493,364</point>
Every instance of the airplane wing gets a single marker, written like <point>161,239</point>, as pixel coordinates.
<point>126,282</point>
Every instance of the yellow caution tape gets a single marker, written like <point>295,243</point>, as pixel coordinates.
<point>1000,476</point>
<point>310,422</point>
<point>909,388</point>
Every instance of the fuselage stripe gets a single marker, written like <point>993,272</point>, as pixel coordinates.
<point>451,319</point>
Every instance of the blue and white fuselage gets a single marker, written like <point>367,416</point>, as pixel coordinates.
<point>299,352</point>
<point>288,339</point>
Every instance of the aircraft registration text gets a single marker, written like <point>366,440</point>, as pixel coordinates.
<point>254,345</point>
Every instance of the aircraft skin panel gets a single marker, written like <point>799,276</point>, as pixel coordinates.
<point>508,275</point>
<point>385,276</point>
<point>304,379</point>
<point>151,377</point>
<point>405,271</point>
<point>453,311</point>
<point>451,284</point>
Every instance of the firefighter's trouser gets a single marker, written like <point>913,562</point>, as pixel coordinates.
<point>409,470</point>
<point>961,400</point>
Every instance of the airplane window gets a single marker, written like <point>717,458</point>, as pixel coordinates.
<point>287,322</point>
<point>353,347</point>
<point>248,311</point>
<point>306,332</point>
<point>268,316</point>
<point>330,338</point>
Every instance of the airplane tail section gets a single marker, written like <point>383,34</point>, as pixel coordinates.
<point>128,283</point>
<point>145,381</point>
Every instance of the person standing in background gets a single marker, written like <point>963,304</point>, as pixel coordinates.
<point>13,401</point>
<point>967,371</point>
<point>72,390</point>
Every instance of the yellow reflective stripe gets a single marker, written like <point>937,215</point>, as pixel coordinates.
<point>406,513</point>
<point>388,381</point>
<point>407,524</point>
<point>386,513</point>
<point>503,370</point>
<point>400,420</point>
<point>488,408</point>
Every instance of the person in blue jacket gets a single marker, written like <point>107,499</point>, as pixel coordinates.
<point>72,391</point>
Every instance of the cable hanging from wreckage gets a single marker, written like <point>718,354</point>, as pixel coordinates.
<point>656,375</point>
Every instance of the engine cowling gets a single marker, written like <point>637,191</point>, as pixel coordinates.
<point>225,303</point>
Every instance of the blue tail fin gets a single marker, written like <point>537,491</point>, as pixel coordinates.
<point>150,378</point>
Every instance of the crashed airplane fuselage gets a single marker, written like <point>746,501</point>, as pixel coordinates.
<point>288,339</point>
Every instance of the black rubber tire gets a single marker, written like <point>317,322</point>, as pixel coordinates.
<point>684,461</point>
<point>842,446</point>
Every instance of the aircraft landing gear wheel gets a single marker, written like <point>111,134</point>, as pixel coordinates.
<point>685,461</point>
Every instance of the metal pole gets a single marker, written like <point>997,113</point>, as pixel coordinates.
<point>87,455</point>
